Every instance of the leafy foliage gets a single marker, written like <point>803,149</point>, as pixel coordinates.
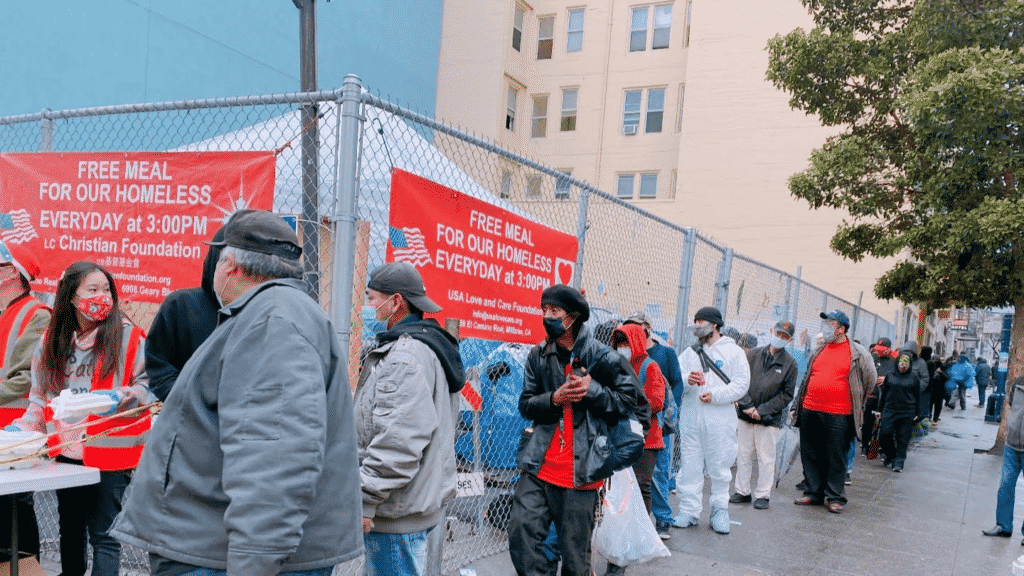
<point>929,166</point>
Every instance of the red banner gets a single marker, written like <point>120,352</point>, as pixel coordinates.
<point>482,264</point>
<point>142,215</point>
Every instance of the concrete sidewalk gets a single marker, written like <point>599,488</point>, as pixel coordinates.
<point>924,521</point>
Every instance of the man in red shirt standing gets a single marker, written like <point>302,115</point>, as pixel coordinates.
<point>829,409</point>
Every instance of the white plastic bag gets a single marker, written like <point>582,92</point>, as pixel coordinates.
<point>626,535</point>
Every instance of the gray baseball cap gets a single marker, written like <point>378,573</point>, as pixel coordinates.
<point>402,278</point>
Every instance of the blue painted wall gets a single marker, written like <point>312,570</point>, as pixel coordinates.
<point>62,54</point>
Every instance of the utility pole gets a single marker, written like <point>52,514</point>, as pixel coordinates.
<point>310,222</point>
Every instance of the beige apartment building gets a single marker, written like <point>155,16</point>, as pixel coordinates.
<point>664,104</point>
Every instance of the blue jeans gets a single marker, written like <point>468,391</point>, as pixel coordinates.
<point>851,455</point>
<point>1013,462</point>
<point>396,554</point>
<point>660,487</point>
<point>212,572</point>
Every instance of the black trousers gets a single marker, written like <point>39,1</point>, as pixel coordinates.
<point>535,505</point>
<point>937,400</point>
<point>867,426</point>
<point>644,471</point>
<point>894,437</point>
<point>824,443</point>
<point>90,510</point>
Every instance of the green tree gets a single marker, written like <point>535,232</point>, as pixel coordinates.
<point>930,96</point>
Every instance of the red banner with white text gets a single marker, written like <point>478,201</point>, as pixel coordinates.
<point>142,215</point>
<point>481,263</point>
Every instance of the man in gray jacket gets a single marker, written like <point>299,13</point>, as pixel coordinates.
<point>1013,463</point>
<point>406,405</point>
<point>772,381</point>
<point>251,468</point>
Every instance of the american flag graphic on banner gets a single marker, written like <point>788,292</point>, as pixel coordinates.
<point>16,227</point>
<point>408,246</point>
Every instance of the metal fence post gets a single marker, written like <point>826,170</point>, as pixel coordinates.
<point>724,273</point>
<point>683,297</point>
<point>346,208</point>
<point>46,132</point>
<point>796,297</point>
<point>856,315</point>
<point>581,236</point>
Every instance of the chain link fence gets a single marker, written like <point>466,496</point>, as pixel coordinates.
<point>335,152</point>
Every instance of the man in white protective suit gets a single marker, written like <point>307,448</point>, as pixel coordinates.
<point>717,374</point>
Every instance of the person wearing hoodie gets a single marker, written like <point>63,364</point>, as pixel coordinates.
<point>885,362</point>
<point>962,374</point>
<point>982,372</point>
<point>717,375</point>
<point>407,402</point>
<point>772,381</point>
<point>630,341</point>
<point>897,407</point>
<point>185,320</point>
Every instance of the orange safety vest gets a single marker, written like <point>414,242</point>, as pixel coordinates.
<point>13,323</point>
<point>120,450</point>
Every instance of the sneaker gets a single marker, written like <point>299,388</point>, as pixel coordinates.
<point>663,529</point>
<point>684,522</point>
<point>738,498</point>
<point>897,467</point>
<point>720,521</point>
<point>848,480</point>
<point>761,504</point>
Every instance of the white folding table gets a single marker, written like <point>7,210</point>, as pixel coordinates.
<point>44,476</point>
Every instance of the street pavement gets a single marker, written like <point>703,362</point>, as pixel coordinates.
<point>924,521</point>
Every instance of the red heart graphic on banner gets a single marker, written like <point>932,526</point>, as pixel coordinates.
<point>564,272</point>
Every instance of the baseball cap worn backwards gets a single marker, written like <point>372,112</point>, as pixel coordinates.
<point>263,232</point>
<point>838,316</point>
<point>402,278</point>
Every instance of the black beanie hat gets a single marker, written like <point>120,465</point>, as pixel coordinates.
<point>711,314</point>
<point>567,298</point>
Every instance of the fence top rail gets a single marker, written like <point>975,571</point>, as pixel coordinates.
<point>142,107</point>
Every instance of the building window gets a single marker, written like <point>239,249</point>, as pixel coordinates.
<point>539,128</point>
<point>648,185</point>
<point>689,18</point>
<point>533,185</point>
<point>662,26</point>
<point>675,182</point>
<point>574,40</point>
<point>638,29</point>
<point>569,97</point>
<point>682,97</point>
<point>517,29</point>
<point>506,184</point>
<point>563,186</point>
<point>631,111</point>
<point>545,37</point>
<point>655,109</point>
<point>510,114</point>
<point>625,187</point>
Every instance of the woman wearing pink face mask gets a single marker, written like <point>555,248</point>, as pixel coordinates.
<point>90,347</point>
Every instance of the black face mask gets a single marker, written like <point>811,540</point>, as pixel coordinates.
<point>554,328</point>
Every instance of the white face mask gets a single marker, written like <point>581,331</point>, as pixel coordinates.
<point>828,332</point>
<point>778,342</point>
<point>702,331</point>
<point>625,351</point>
